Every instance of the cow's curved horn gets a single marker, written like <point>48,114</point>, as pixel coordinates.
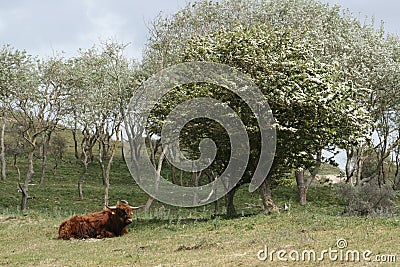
<point>137,208</point>
<point>111,207</point>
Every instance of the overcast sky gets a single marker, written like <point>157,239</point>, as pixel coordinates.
<point>43,27</point>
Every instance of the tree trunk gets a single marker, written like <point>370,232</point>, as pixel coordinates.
<point>396,181</point>
<point>349,170</point>
<point>266,197</point>
<point>122,149</point>
<point>55,167</point>
<point>173,174</point>
<point>196,184</point>
<point>88,142</point>
<point>24,189</point>
<point>156,180</point>
<point>135,156</point>
<point>2,151</point>
<point>17,168</point>
<point>103,170</point>
<point>106,192</point>
<point>230,207</point>
<point>152,151</point>
<point>193,179</point>
<point>44,166</point>
<point>44,158</point>
<point>83,174</point>
<point>148,203</point>
<point>211,178</point>
<point>383,174</point>
<point>359,171</point>
<point>266,192</point>
<point>302,188</point>
<point>75,144</point>
<point>105,179</point>
<point>134,148</point>
<point>107,146</point>
<point>107,172</point>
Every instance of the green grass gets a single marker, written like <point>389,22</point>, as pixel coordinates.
<point>170,236</point>
<point>31,240</point>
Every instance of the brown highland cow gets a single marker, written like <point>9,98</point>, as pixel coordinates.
<point>106,223</point>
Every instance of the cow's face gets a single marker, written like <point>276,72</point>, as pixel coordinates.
<point>124,212</point>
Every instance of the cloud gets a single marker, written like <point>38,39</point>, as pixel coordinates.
<point>46,26</point>
<point>103,21</point>
<point>42,25</point>
<point>386,11</point>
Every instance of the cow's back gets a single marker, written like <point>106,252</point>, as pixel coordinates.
<point>77,227</point>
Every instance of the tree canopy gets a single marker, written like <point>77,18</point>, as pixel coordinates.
<point>330,79</point>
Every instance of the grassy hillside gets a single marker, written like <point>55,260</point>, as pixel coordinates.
<point>170,236</point>
<point>166,237</point>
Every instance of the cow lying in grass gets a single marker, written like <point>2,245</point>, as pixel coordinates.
<point>106,223</point>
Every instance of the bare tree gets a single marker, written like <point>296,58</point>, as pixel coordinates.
<point>30,108</point>
<point>103,87</point>
<point>8,79</point>
<point>22,95</point>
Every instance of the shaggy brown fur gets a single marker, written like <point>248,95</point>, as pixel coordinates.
<point>106,223</point>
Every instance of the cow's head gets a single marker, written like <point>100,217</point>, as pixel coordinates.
<point>123,211</point>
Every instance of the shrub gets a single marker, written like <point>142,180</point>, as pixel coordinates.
<point>368,200</point>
